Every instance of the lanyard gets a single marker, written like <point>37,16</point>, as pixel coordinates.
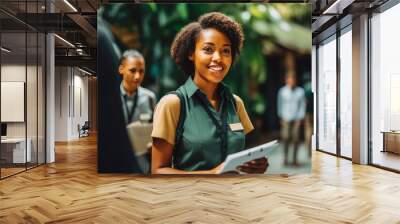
<point>130,113</point>
<point>222,128</point>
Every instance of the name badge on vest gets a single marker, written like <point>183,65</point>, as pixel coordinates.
<point>144,117</point>
<point>236,127</point>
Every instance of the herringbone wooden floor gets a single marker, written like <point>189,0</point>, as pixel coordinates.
<point>71,191</point>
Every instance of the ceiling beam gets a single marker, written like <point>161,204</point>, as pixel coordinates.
<point>83,61</point>
<point>320,22</point>
<point>84,24</point>
<point>337,7</point>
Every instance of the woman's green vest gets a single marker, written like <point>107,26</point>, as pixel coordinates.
<point>201,144</point>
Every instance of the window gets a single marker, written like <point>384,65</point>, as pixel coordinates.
<point>22,87</point>
<point>346,92</point>
<point>385,89</point>
<point>327,95</point>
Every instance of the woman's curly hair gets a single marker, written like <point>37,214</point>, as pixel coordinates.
<point>185,41</point>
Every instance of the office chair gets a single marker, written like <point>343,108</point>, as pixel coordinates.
<point>84,130</point>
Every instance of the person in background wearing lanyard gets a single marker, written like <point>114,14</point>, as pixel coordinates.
<point>137,102</point>
<point>216,120</point>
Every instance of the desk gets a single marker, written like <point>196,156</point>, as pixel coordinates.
<point>391,141</point>
<point>13,150</point>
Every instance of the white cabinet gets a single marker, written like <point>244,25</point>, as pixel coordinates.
<point>16,149</point>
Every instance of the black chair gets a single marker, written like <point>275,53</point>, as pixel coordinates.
<point>84,130</point>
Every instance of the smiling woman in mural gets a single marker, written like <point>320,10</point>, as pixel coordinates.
<point>202,122</point>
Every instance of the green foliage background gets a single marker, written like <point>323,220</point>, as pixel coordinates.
<point>268,28</point>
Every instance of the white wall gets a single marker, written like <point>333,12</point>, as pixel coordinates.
<point>13,73</point>
<point>71,102</point>
<point>33,127</point>
<point>61,103</point>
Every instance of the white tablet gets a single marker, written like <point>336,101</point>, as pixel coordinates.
<point>239,158</point>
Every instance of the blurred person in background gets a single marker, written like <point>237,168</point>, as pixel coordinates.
<point>137,102</point>
<point>115,153</point>
<point>291,111</point>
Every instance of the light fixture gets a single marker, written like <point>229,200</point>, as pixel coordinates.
<point>70,5</point>
<point>80,51</point>
<point>5,50</point>
<point>84,71</point>
<point>65,41</point>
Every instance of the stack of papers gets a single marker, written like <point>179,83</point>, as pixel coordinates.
<point>140,136</point>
